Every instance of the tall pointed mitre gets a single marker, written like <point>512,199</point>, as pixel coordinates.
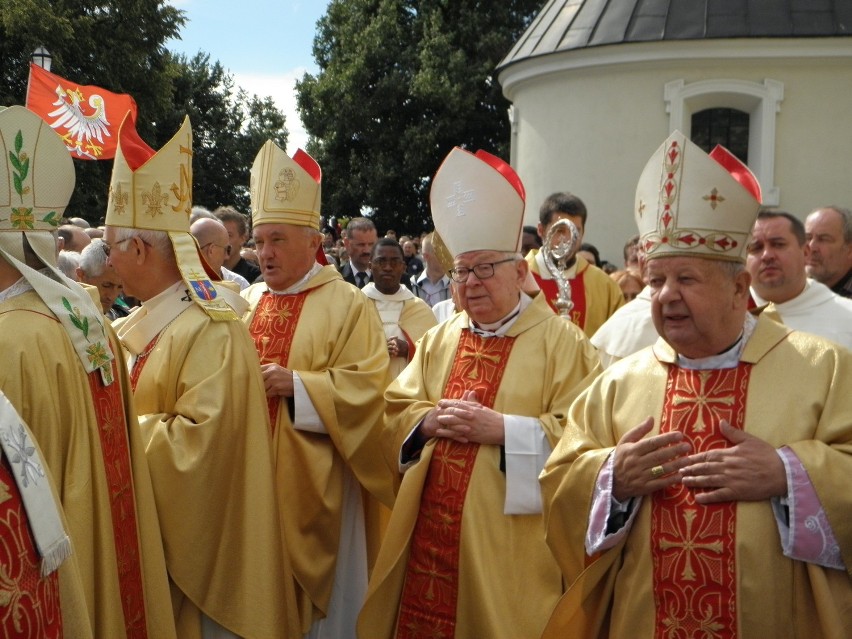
<point>153,191</point>
<point>36,182</point>
<point>285,190</point>
<point>690,203</point>
<point>477,203</point>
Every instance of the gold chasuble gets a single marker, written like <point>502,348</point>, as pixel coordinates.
<point>430,594</point>
<point>330,335</point>
<point>201,404</point>
<point>488,572</point>
<point>694,546</point>
<point>92,445</point>
<point>718,570</point>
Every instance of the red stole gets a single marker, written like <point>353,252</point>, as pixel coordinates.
<point>430,593</point>
<point>693,546</point>
<point>550,290</point>
<point>272,329</point>
<point>112,428</point>
<point>29,603</point>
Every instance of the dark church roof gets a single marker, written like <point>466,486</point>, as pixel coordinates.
<point>565,25</point>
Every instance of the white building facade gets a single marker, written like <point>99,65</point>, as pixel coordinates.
<point>594,94</point>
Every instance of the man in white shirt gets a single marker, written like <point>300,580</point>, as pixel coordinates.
<point>776,261</point>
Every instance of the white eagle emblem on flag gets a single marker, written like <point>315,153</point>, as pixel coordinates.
<point>82,131</point>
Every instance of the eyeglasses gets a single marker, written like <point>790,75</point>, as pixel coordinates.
<point>482,271</point>
<point>226,248</point>
<point>107,247</point>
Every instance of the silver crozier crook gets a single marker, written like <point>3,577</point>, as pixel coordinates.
<point>559,247</point>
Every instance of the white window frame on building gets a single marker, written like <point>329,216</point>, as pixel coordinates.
<point>761,100</point>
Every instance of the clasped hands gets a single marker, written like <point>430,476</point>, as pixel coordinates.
<point>464,420</point>
<point>748,470</point>
<point>277,380</point>
<point>397,347</point>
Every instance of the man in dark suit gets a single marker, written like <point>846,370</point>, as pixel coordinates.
<point>360,238</point>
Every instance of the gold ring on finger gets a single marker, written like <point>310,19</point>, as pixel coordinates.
<point>657,471</point>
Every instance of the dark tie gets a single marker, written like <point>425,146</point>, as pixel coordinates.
<point>361,278</point>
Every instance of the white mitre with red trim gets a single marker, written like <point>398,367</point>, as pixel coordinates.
<point>690,203</point>
<point>477,203</point>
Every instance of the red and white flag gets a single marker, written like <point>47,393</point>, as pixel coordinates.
<point>86,117</point>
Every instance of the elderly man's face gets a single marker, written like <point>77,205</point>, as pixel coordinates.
<point>776,261</point>
<point>489,300</point>
<point>830,256</point>
<point>286,253</point>
<point>698,307</point>
<point>124,259</point>
<point>108,283</point>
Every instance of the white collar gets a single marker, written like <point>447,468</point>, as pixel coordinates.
<point>298,286</point>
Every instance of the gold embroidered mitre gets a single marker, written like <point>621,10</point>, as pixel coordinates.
<point>149,190</point>
<point>152,191</point>
<point>37,179</point>
<point>477,203</point>
<point>285,190</point>
<point>690,203</point>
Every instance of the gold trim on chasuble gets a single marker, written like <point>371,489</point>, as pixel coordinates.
<point>29,603</point>
<point>112,428</point>
<point>430,593</point>
<point>272,329</point>
<point>693,545</point>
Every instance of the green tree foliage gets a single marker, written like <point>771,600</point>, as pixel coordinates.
<point>400,83</point>
<point>120,45</point>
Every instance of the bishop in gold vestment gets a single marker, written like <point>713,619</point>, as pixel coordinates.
<point>725,513</point>
<point>201,405</point>
<point>325,365</point>
<point>470,421</point>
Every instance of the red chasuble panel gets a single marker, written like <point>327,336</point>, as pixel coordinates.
<point>578,296</point>
<point>112,427</point>
<point>29,603</point>
<point>272,329</point>
<point>693,545</point>
<point>430,593</point>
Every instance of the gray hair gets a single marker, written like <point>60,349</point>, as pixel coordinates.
<point>845,221</point>
<point>67,262</point>
<point>158,240</point>
<point>93,258</point>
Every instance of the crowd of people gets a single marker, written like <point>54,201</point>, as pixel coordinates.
<point>215,425</point>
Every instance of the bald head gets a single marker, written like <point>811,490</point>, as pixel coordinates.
<point>212,238</point>
<point>73,238</point>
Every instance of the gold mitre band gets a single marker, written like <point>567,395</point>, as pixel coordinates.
<point>285,190</point>
<point>151,190</point>
<point>477,203</point>
<point>690,203</point>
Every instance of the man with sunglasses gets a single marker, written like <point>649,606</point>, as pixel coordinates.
<point>470,423</point>
<point>212,238</point>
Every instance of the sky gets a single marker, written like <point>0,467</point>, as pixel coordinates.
<point>265,45</point>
